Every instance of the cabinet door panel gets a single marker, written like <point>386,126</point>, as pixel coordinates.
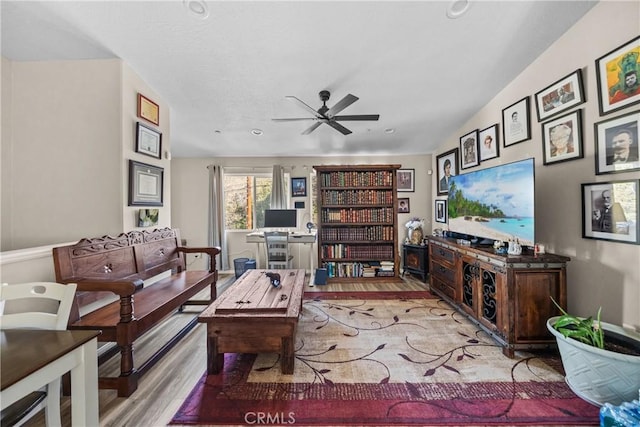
<point>533,305</point>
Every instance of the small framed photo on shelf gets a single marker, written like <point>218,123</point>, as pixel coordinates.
<point>610,211</point>
<point>145,184</point>
<point>560,96</point>
<point>148,110</point>
<point>489,145</point>
<point>406,180</point>
<point>148,141</point>
<point>562,138</point>
<point>447,164</point>
<point>441,211</point>
<point>298,187</point>
<point>516,126</point>
<point>403,205</point>
<point>469,150</point>
<point>617,144</point>
<point>617,77</point>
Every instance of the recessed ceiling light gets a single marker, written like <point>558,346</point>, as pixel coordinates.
<point>457,8</point>
<point>256,132</point>
<point>217,131</point>
<point>197,7</point>
<point>389,130</point>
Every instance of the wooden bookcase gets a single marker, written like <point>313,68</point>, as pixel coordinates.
<point>358,222</point>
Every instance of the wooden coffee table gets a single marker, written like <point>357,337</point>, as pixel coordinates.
<point>252,316</point>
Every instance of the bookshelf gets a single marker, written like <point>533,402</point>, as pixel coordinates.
<point>358,222</point>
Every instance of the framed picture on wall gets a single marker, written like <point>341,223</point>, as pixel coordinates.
<point>148,141</point>
<point>516,126</point>
<point>298,187</point>
<point>469,150</point>
<point>560,96</point>
<point>562,138</point>
<point>403,205</point>
<point>441,210</point>
<point>610,211</point>
<point>447,164</point>
<point>406,180</point>
<point>145,184</point>
<point>617,144</point>
<point>489,144</point>
<point>148,110</point>
<point>617,76</point>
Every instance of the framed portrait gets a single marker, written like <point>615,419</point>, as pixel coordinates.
<point>406,180</point>
<point>469,150</point>
<point>617,76</point>
<point>489,144</point>
<point>298,187</point>
<point>148,141</point>
<point>617,144</point>
<point>441,211</point>
<point>560,96</point>
<point>145,184</point>
<point>148,110</point>
<point>562,138</point>
<point>447,164</point>
<point>516,126</point>
<point>610,211</point>
<point>403,205</point>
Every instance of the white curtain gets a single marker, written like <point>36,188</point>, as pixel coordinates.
<point>278,190</point>
<point>215,232</point>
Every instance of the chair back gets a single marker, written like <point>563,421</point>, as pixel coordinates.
<point>32,312</point>
<point>277,249</point>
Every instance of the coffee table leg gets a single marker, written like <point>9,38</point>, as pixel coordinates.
<point>287,355</point>
<point>215,360</point>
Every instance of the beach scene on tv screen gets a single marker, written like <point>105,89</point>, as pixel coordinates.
<point>495,203</point>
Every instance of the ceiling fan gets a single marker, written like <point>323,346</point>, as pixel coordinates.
<point>328,115</point>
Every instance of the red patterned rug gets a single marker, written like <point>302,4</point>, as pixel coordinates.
<point>368,360</point>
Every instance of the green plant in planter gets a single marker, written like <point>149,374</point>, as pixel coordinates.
<point>583,330</point>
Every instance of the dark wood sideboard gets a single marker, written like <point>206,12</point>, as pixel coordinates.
<point>415,260</point>
<point>509,296</point>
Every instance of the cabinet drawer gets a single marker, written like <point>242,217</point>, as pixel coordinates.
<point>443,288</point>
<point>443,272</point>
<point>443,254</point>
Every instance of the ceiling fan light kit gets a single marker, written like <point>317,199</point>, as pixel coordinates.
<point>326,115</point>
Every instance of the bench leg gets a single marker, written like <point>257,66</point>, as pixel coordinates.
<point>215,360</point>
<point>287,357</point>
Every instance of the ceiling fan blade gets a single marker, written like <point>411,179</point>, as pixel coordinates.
<point>358,117</point>
<point>305,106</point>
<point>342,104</point>
<point>312,128</point>
<point>295,119</point>
<point>339,127</point>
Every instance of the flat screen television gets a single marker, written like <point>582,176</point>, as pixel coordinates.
<point>495,203</point>
<point>280,218</point>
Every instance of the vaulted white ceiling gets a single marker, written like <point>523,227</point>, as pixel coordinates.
<point>424,73</point>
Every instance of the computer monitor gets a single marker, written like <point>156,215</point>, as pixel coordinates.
<point>280,218</point>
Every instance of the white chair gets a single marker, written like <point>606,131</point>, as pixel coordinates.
<point>38,305</point>
<point>277,243</point>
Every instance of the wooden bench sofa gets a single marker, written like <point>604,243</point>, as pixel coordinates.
<point>121,265</point>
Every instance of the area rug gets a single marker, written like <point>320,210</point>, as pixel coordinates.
<point>406,361</point>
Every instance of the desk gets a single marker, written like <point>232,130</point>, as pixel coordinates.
<point>295,237</point>
<point>31,359</point>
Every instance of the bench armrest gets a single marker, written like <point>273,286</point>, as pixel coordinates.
<point>120,288</point>
<point>212,251</point>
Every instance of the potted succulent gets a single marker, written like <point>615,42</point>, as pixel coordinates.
<point>601,360</point>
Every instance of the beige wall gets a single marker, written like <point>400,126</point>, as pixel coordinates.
<point>68,131</point>
<point>190,196</point>
<point>601,273</point>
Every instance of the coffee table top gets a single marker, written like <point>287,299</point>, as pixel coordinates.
<point>254,295</point>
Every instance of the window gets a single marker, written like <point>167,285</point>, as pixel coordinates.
<point>246,196</point>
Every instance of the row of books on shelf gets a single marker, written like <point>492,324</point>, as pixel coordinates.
<point>360,269</point>
<point>342,250</point>
<point>357,197</point>
<point>373,232</point>
<point>357,215</point>
<point>356,179</point>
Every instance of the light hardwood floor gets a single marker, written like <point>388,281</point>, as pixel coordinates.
<point>163,389</point>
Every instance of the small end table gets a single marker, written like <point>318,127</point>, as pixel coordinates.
<point>415,259</point>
